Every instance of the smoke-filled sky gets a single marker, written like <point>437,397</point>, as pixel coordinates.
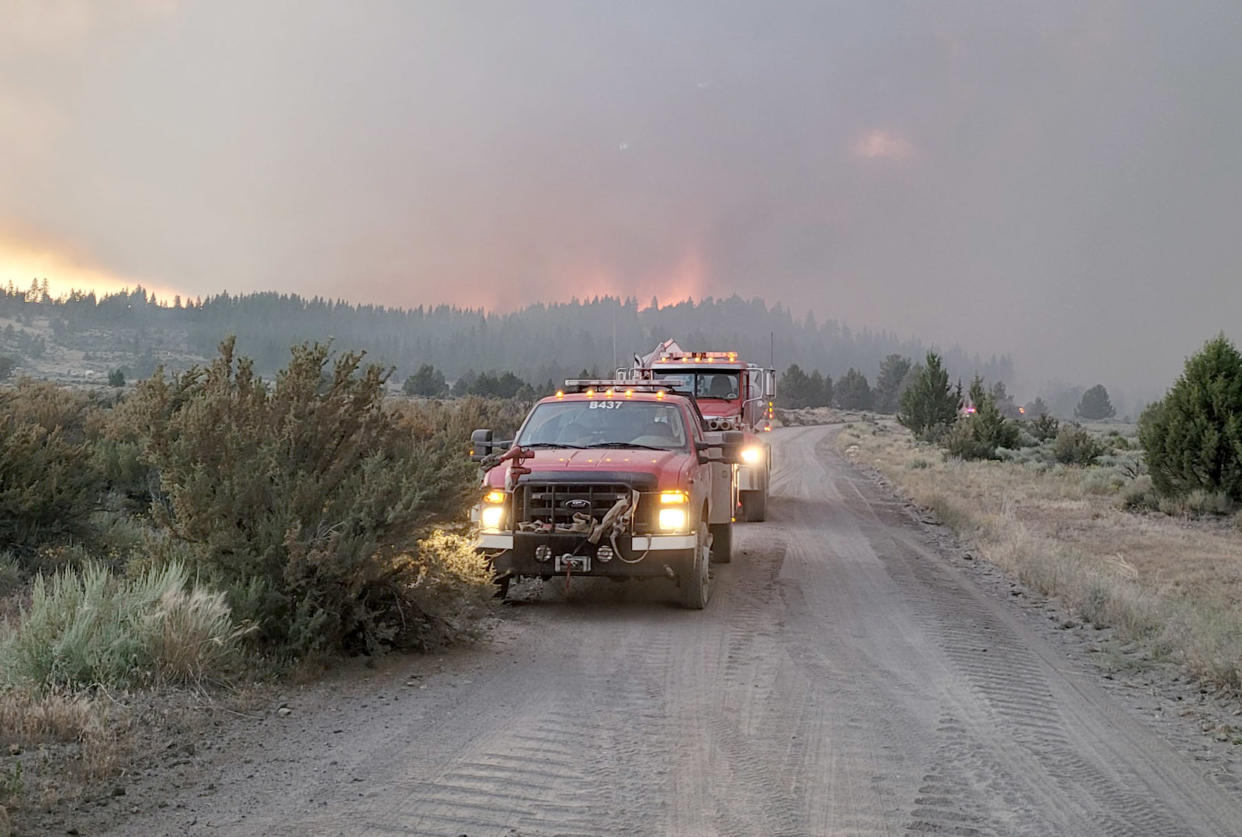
<point>1059,180</point>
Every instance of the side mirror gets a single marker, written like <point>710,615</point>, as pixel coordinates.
<point>731,445</point>
<point>480,445</point>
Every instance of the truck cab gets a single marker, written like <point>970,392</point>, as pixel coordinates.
<point>609,478</point>
<point>731,395</point>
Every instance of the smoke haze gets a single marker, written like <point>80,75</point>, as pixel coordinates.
<point>1056,180</point>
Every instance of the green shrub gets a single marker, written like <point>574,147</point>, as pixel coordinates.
<point>962,441</point>
<point>120,465</point>
<point>1075,446</point>
<point>48,488</point>
<point>94,627</point>
<point>10,574</point>
<point>449,585</point>
<point>48,484</point>
<point>1044,427</point>
<point>1127,464</point>
<point>929,405</point>
<point>1140,495</point>
<point>116,378</point>
<point>1118,441</point>
<point>1198,503</point>
<point>1193,437</point>
<point>1101,481</point>
<point>985,432</point>
<point>310,493</point>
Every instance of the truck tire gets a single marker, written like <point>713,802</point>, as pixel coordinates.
<point>502,586</point>
<point>722,543</point>
<point>696,581</point>
<point>755,506</point>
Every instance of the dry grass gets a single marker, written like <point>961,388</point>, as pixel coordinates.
<point>55,744</point>
<point>1173,584</point>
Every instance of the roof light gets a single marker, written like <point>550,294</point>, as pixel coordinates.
<point>560,393</point>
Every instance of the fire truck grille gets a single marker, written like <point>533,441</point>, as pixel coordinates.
<point>557,503</point>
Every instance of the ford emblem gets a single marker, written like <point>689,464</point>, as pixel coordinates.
<point>576,504</point>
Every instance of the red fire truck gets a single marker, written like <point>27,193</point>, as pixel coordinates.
<point>732,395</point>
<point>612,478</point>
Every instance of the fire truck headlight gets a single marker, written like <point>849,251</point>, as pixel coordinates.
<point>752,455</point>
<point>672,520</point>
<point>492,517</point>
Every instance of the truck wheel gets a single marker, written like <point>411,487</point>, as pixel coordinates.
<point>696,581</point>
<point>755,505</point>
<point>722,543</point>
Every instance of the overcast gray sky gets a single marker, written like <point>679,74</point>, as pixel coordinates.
<point>1059,180</point>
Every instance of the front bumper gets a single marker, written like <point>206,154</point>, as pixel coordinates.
<point>639,556</point>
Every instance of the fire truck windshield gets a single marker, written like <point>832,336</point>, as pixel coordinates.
<point>721,385</point>
<point>604,424</point>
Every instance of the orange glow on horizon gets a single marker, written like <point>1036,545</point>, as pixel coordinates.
<point>21,264</point>
<point>687,279</point>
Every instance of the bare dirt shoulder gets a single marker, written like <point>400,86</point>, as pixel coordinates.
<point>193,757</point>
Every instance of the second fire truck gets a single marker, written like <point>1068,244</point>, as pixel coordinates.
<point>732,394</point>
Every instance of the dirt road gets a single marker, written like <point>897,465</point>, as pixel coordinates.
<point>846,678</point>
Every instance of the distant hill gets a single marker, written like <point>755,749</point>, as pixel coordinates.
<point>84,336</point>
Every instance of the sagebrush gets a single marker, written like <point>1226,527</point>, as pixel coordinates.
<point>302,496</point>
<point>94,627</point>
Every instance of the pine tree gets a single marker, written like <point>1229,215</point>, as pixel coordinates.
<point>1193,437</point>
<point>1095,405</point>
<point>980,434</point>
<point>819,390</point>
<point>888,384</point>
<point>853,392</point>
<point>426,381</point>
<point>794,389</point>
<point>929,404</point>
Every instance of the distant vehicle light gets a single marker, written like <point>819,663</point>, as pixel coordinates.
<point>752,455</point>
<point>672,520</point>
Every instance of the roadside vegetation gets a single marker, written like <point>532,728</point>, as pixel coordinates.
<point>1135,528</point>
<point>208,528</point>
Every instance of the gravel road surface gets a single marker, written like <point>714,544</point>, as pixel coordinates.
<point>847,677</point>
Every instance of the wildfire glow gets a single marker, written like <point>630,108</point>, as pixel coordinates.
<point>21,264</point>
<point>686,279</point>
